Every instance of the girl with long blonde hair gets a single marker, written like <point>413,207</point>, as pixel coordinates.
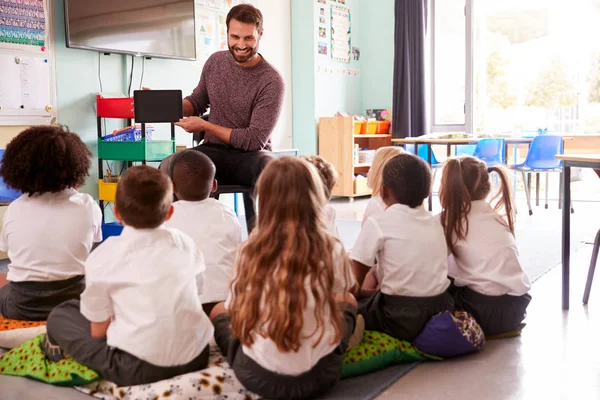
<point>374,178</point>
<point>289,317</point>
<point>489,281</point>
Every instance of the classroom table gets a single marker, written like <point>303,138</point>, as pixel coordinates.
<point>580,161</point>
<point>449,142</point>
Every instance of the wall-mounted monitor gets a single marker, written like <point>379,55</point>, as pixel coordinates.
<point>151,28</point>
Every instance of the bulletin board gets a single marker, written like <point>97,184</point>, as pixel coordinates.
<point>27,80</point>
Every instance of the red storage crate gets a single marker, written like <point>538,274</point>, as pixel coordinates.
<point>116,107</point>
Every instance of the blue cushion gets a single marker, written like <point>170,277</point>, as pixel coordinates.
<point>448,335</point>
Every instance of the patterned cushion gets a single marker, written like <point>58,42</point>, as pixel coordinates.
<point>447,335</point>
<point>215,382</point>
<point>377,351</point>
<point>14,333</point>
<point>29,361</point>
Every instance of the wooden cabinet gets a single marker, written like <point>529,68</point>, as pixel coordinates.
<point>336,145</point>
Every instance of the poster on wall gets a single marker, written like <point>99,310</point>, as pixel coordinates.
<point>341,48</point>
<point>205,34</point>
<point>222,31</point>
<point>23,22</point>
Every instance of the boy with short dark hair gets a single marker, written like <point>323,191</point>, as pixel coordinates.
<point>139,319</point>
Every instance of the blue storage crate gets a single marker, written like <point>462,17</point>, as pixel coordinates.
<point>111,229</point>
<point>129,135</point>
<point>7,194</point>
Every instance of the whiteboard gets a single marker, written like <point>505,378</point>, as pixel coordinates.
<point>27,81</point>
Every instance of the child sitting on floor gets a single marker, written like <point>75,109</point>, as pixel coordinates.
<point>48,231</point>
<point>411,253</point>
<point>213,226</point>
<point>382,156</point>
<point>489,281</point>
<point>376,204</point>
<point>329,177</point>
<point>289,318</point>
<point>140,319</point>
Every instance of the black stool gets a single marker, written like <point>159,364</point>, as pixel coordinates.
<point>248,202</point>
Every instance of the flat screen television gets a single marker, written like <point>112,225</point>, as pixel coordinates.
<point>151,28</point>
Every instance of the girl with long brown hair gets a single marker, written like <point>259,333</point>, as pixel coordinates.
<point>289,317</point>
<point>480,234</point>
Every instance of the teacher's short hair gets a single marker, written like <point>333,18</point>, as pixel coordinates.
<point>247,14</point>
<point>144,197</point>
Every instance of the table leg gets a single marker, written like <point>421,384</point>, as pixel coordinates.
<point>429,161</point>
<point>566,235</point>
<point>448,150</point>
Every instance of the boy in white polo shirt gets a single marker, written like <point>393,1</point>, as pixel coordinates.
<point>48,231</point>
<point>213,226</point>
<point>411,253</point>
<point>140,319</point>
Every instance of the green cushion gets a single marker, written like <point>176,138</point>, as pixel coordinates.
<point>29,361</point>
<point>377,351</point>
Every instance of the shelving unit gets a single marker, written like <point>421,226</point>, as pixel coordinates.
<point>138,151</point>
<point>336,142</point>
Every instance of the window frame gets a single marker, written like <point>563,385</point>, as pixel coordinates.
<point>467,126</point>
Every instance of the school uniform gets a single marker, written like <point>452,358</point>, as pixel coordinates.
<point>311,370</point>
<point>48,238</point>
<point>217,233</point>
<point>374,206</point>
<point>145,281</point>
<point>412,269</point>
<point>330,217</point>
<point>489,281</point>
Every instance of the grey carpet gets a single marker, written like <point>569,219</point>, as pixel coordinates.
<point>367,387</point>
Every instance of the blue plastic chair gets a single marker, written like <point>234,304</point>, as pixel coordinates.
<point>491,151</point>
<point>422,150</point>
<point>541,158</point>
<point>464,150</point>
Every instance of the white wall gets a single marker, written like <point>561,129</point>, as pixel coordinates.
<point>276,47</point>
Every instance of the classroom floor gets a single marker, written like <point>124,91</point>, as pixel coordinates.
<point>556,357</point>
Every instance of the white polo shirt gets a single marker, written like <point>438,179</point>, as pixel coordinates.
<point>330,219</point>
<point>48,236</point>
<point>374,206</point>
<point>145,280</point>
<point>410,249</point>
<point>487,261</point>
<point>264,351</point>
<point>217,234</point>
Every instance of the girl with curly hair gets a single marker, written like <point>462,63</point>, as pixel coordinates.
<point>289,317</point>
<point>48,231</point>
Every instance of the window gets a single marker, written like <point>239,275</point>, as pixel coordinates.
<point>526,65</point>
<point>450,66</point>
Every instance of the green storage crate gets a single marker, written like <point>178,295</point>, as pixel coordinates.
<point>154,150</point>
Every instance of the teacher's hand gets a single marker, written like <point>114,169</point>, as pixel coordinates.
<point>192,124</point>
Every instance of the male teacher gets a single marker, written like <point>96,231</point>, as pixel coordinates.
<point>245,94</point>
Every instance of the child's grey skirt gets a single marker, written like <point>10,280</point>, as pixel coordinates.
<point>33,301</point>
<point>495,314</point>
<point>271,385</point>
<point>402,317</point>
